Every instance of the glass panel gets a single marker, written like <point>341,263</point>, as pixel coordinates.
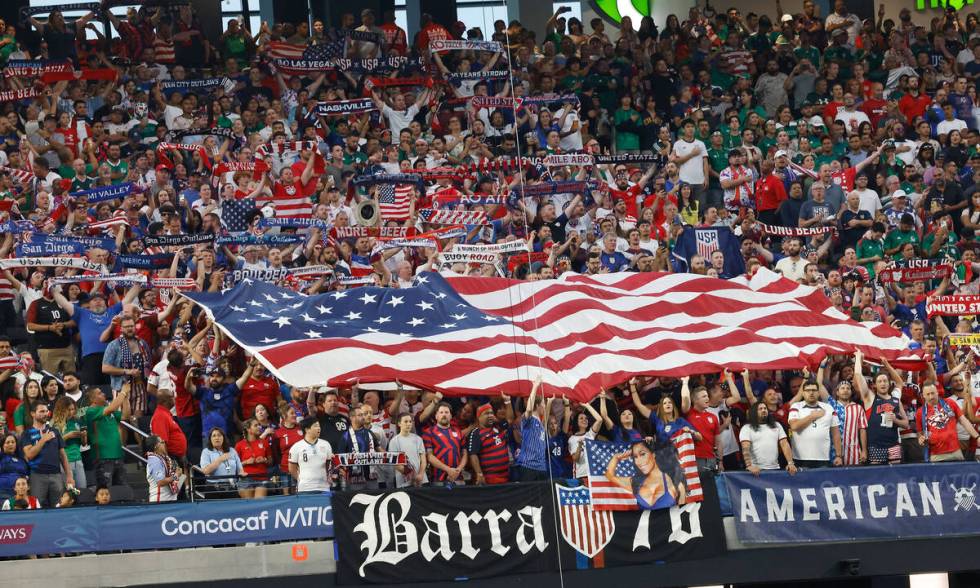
<point>231,5</point>
<point>401,16</point>
<point>481,16</point>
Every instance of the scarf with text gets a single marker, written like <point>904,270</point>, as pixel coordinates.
<point>69,262</point>
<point>795,231</point>
<point>104,193</point>
<point>461,45</point>
<point>178,240</point>
<point>954,305</point>
<point>164,150</point>
<point>11,95</point>
<point>625,158</point>
<point>155,261</point>
<point>208,84</point>
<point>916,270</point>
<point>107,278</point>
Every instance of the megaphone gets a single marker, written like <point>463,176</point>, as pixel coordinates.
<point>366,213</point>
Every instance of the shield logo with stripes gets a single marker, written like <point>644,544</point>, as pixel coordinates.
<point>587,530</point>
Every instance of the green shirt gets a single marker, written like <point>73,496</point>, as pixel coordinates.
<point>625,140</point>
<point>870,248</point>
<point>73,447</point>
<point>811,53</point>
<point>946,249</point>
<point>121,167</point>
<point>354,158</point>
<point>104,432</point>
<point>897,238</point>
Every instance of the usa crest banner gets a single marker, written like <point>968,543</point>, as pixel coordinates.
<point>442,534</point>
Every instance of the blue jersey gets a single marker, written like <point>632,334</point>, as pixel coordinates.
<point>534,440</point>
<point>218,407</point>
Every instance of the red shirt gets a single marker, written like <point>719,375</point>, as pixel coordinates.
<point>769,193</point>
<point>264,391</point>
<point>942,426</point>
<point>628,196</point>
<point>875,109</point>
<point>258,448</point>
<point>913,106</point>
<point>164,426</point>
<point>395,37</point>
<point>185,403</point>
<point>286,438</point>
<point>659,216</point>
<point>708,426</point>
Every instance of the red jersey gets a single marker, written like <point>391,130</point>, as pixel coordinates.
<point>264,391</point>
<point>395,37</point>
<point>292,201</point>
<point>913,106</point>
<point>258,448</point>
<point>875,109</point>
<point>628,196</point>
<point>659,217</point>
<point>431,32</point>
<point>941,421</point>
<point>708,426</point>
<point>769,193</point>
<point>163,425</point>
<point>285,439</point>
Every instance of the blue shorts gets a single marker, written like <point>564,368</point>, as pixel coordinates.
<point>249,483</point>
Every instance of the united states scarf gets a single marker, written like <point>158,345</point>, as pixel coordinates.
<point>468,335</point>
<point>394,200</point>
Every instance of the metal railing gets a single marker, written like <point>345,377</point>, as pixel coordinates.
<point>136,430</point>
<point>196,492</point>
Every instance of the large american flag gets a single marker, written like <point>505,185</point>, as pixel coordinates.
<point>468,335</point>
<point>394,200</point>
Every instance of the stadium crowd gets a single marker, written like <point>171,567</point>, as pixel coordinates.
<point>832,148</point>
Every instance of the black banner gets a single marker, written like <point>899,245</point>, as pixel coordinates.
<point>439,534</point>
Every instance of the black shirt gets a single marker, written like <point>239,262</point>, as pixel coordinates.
<point>333,429</point>
<point>47,312</point>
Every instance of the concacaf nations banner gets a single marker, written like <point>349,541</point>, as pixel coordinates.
<point>439,534</point>
<point>856,503</point>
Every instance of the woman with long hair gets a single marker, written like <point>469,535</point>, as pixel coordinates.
<point>63,419</point>
<point>666,420</point>
<point>761,441</point>
<point>221,460</point>
<point>689,208</point>
<point>652,487</point>
<point>585,428</point>
<point>51,390</point>
<point>32,393</point>
<point>256,456</point>
<point>12,465</point>
<point>412,473</point>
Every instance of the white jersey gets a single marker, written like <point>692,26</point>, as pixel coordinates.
<point>311,460</point>
<point>765,445</point>
<point>692,170</point>
<point>813,442</point>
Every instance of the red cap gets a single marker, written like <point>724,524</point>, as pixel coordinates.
<point>163,166</point>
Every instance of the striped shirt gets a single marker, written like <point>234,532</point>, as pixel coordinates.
<point>852,420</point>
<point>163,51</point>
<point>446,445</point>
<point>490,444</point>
<point>534,443</point>
<point>6,289</point>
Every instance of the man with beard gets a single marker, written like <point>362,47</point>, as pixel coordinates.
<point>333,424</point>
<point>444,448</point>
<point>487,446</point>
<point>126,361</point>
<point>44,450</point>
<point>92,321</point>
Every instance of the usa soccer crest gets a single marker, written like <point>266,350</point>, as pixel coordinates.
<point>587,530</point>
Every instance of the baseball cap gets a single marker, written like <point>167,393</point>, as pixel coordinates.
<point>816,121</point>
<point>781,153</point>
<point>786,18</point>
<point>900,194</point>
<point>907,219</point>
<point>838,32</point>
<point>162,167</point>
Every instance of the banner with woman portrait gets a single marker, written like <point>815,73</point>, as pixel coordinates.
<point>648,474</point>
